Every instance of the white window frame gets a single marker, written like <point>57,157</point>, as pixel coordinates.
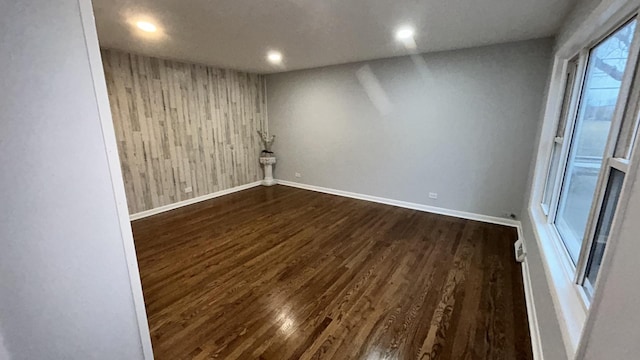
<point>615,131</point>
<point>570,298</point>
<point>572,82</point>
<point>576,270</point>
<point>567,139</point>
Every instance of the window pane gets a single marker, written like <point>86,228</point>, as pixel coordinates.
<point>554,162</point>
<point>614,187</point>
<point>606,66</point>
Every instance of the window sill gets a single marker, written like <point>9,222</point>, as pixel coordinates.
<point>570,300</point>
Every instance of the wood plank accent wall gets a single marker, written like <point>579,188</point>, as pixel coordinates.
<point>183,125</point>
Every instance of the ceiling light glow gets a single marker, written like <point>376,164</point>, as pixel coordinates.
<point>274,57</point>
<point>405,33</point>
<point>146,26</point>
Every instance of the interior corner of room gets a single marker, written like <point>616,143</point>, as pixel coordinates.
<point>189,131</point>
<point>303,181</point>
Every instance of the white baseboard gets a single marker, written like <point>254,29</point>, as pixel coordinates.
<point>161,209</point>
<point>405,204</point>
<point>534,329</point>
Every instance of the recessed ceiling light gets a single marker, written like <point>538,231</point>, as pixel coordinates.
<point>146,26</point>
<point>405,33</point>
<point>274,57</point>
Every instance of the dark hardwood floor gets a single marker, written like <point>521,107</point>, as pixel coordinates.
<point>283,273</point>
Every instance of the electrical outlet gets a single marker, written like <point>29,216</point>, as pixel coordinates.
<point>433,195</point>
<point>298,175</point>
<point>188,189</point>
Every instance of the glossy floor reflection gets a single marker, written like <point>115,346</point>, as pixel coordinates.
<point>284,273</point>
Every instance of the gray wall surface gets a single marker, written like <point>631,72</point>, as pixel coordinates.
<point>65,291</point>
<point>581,10</point>
<point>458,123</point>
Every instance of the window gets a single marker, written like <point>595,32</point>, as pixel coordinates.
<point>607,62</point>
<point>556,150</point>
<point>591,150</point>
<point>614,187</point>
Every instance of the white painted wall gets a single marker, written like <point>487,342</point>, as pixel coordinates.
<point>65,288</point>
<point>459,123</point>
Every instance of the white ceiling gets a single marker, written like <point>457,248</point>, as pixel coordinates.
<point>310,33</point>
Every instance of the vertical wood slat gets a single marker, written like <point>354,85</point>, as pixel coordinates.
<point>181,125</point>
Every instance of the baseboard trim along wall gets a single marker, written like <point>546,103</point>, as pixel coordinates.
<point>161,209</point>
<point>405,204</point>
<point>532,315</point>
<point>534,330</point>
